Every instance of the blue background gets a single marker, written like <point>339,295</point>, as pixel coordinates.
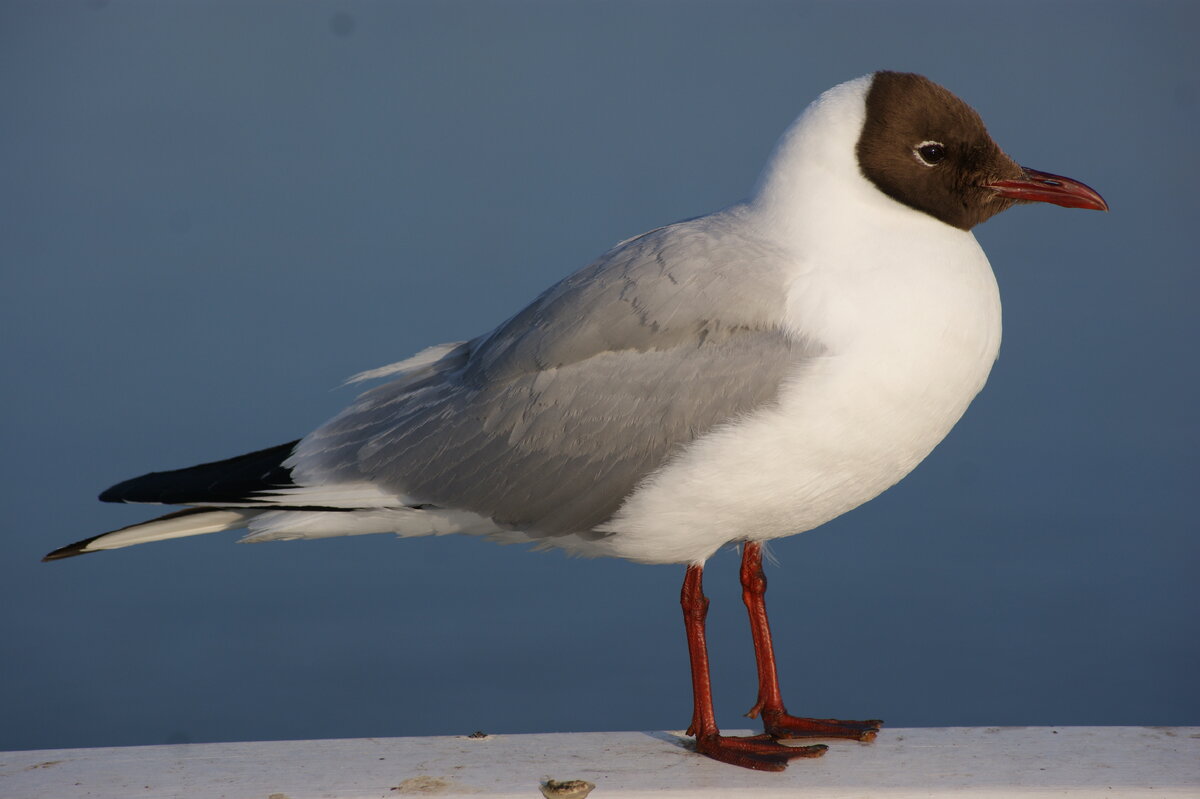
<point>212,213</point>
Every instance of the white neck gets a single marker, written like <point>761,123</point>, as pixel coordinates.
<point>812,185</point>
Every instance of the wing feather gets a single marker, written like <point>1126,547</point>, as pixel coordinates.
<point>546,424</point>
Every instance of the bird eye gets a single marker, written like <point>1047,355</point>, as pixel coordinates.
<point>930,152</point>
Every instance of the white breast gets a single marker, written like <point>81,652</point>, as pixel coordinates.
<point>911,340</point>
<point>908,310</point>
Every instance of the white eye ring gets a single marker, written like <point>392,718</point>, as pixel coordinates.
<point>938,154</point>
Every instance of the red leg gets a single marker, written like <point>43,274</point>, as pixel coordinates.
<point>776,721</point>
<point>756,752</point>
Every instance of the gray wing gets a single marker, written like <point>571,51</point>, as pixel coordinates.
<point>550,421</point>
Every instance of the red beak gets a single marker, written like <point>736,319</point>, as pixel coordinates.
<point>1042,187</point>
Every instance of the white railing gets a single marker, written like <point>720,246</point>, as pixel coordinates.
<point>1021,762</point>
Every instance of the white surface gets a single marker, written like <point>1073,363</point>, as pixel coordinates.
<point>921,762</point>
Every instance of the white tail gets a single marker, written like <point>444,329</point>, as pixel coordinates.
<point>193,521</point>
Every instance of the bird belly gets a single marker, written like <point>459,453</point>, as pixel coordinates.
<point>846,426</point>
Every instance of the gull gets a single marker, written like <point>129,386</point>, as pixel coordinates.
<point>729,379</point>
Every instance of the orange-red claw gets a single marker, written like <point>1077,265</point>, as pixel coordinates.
<point>758,752</point>
<point>781,725</point>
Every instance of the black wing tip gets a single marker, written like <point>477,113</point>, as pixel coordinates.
<point>71,550</point>
<point>113,493</point>
<point>229,480</point>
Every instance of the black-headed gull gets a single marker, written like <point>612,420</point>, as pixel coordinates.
<point>735,378</point>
